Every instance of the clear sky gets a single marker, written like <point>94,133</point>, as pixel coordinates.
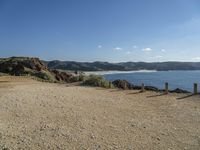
<point>101,30</point>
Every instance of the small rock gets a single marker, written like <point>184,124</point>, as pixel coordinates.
<point>132,125</point>
<point>158,138</point>
<point>97,147</point>
<point>92,136</point>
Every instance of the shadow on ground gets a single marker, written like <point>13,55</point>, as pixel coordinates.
<point>3,81</point>
<point>116,90</point>
<point>187,96</point>
<point>157,95</point>
<point>138,92</point>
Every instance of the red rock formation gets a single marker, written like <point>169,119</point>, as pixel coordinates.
<point>17,66</point>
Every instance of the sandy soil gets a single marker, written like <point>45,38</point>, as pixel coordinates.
<point>36,115</point>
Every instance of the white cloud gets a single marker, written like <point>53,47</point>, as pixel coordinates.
<point>128,52</point>
<point>162,50</point>
<point>147,49</point>
<point>135,46</point>
<point>196,58</point>
<point>159,56</point>
<point>117,49</point>
<point>99,46</point>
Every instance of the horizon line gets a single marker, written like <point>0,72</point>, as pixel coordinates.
<point>178,61</point>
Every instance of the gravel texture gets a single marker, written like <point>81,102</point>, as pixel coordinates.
<point>37,115</point>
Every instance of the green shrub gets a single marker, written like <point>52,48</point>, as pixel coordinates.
<point>74,79</point>
<point>81,77</point>
<point>44,75</point>
<point>99,81</point>
<point>77,78</point>
<point>3,74</point>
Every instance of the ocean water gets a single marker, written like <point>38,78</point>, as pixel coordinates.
<point>176,79</point>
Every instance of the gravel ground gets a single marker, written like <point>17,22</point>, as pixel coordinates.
<point>37,115</point>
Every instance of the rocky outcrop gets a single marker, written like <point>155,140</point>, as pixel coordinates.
<point>125,85</point>
<point>32,66</point>
<point>18,65</point>
<point>179,91</point>
<point>151,88</point>
<point>122,84</point>
<point>35,64</point>
<point>62,76</point>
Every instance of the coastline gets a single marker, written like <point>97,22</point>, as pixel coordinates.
<point>116,72</point>
<point>134,71</point>
<point>155,79</point>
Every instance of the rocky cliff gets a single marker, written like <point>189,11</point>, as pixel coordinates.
<point>19,66</point>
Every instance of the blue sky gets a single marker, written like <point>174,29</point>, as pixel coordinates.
<point>103,30</point>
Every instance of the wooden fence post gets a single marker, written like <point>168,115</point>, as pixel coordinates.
<point>142,88</point>
<point>110,84</point>
<point>124,86</point>
<point>195,88</point>
<point>166,88</point>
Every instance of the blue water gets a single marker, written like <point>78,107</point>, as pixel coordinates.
<point>176,79</point>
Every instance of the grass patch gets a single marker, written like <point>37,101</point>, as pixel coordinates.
<point>44,75</point>
<point>13,59</point>
<point>41,75</point>
<point>78,78</point>
<point>3,74</point>
<point>98,81</point>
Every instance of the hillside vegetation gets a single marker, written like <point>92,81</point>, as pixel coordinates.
<point>124,66</point>
<point>26,66</point>
<point>35,68</point>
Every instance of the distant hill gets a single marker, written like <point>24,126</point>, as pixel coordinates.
<point>83,66</point>
<point>50,69</point>
<point>124,66</point>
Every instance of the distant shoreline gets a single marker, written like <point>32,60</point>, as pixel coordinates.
<point>124,72</point>
<point>116,72</point>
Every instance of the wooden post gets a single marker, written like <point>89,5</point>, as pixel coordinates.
<point>125,86</point>
<point>110,84</point>
<point>166,88</point>
<point>195,88</point>
<point>142,88</point>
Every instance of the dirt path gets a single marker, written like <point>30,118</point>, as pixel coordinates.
<point>36,115</point>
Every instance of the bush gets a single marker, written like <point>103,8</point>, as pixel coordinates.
<point>3,74</point>
<point>81,77</point>
<point>99,81</point>
<point>44,75</point>
<point>74,79</point>
<point>77,78</point>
